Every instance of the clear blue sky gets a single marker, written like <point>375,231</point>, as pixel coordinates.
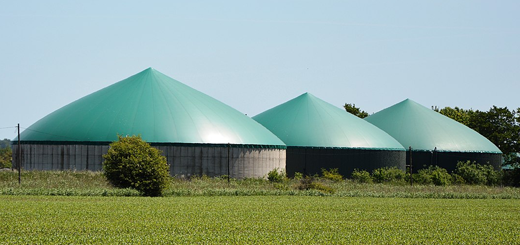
<point>254,55</point>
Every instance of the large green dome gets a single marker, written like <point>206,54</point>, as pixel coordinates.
<point>307,121</point>
<point>425,130</point>
<point>155,106</point>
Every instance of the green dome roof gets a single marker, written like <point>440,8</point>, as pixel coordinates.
<point>155,106</point>
<point>424,129</point>
<point>307,121</point>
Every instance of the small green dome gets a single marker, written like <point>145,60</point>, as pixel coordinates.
<point>424,129</point>
<point>307,121</point>
<point>155,106</point>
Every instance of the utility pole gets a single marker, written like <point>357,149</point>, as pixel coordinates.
<point>410,166</point>
<point>19,158</point>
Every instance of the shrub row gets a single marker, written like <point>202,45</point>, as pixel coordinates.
<point>466,172</point>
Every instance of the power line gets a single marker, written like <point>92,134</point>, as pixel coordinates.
<point>62,136</point>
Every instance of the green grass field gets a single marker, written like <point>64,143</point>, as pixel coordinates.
<point>257,219</point>
<point>84,183</point>
<point>53,207</point>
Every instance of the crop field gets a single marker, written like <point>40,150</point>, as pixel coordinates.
<point>29,219</point>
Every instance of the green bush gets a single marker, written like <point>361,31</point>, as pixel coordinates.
<point>6,157</point>
<point>276,175</point>
<point>310,183</point>
<point>477,174</point>
<point>493,176</point>
<point>440,176</point>
<point>470,173</point>
<point>386,174</point>
<point>131,162</point>
<point>281,186</point>
<point>423,177</point>
<point>433,175</point>
<point>321,187</point>
<point>298,176</point>
<point>361,176</point>
<point>305,183</point>
<point>457,179</point>
<point>331,174</point>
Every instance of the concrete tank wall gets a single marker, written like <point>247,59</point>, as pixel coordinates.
<point>60,157</point>
<point>184,161</point>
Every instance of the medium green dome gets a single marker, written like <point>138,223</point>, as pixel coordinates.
<point>155,106</point>
<point>424,129</point>
<point>307,121</point>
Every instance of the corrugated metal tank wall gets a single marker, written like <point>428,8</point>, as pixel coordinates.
<point>310,161</point>
<point>184,161</point>
<point>449,160</point>
<point>60,157</point>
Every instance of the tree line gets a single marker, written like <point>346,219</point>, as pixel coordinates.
<point>5,153</point>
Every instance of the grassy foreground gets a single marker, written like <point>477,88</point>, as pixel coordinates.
<point>257,220</point>
<point>52,207</point>
<point>84,183</point>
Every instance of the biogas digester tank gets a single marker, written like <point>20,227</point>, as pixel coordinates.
<point>319,135</point>
<point>194,131</point>
<point>434,138</point>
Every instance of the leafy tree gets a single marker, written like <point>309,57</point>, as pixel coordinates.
<point>5,143</point>
<point>356,111</point>
<point>132,163</point>
<point>457,114</point>
<point>6,157</point>
<point>501,126</point>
